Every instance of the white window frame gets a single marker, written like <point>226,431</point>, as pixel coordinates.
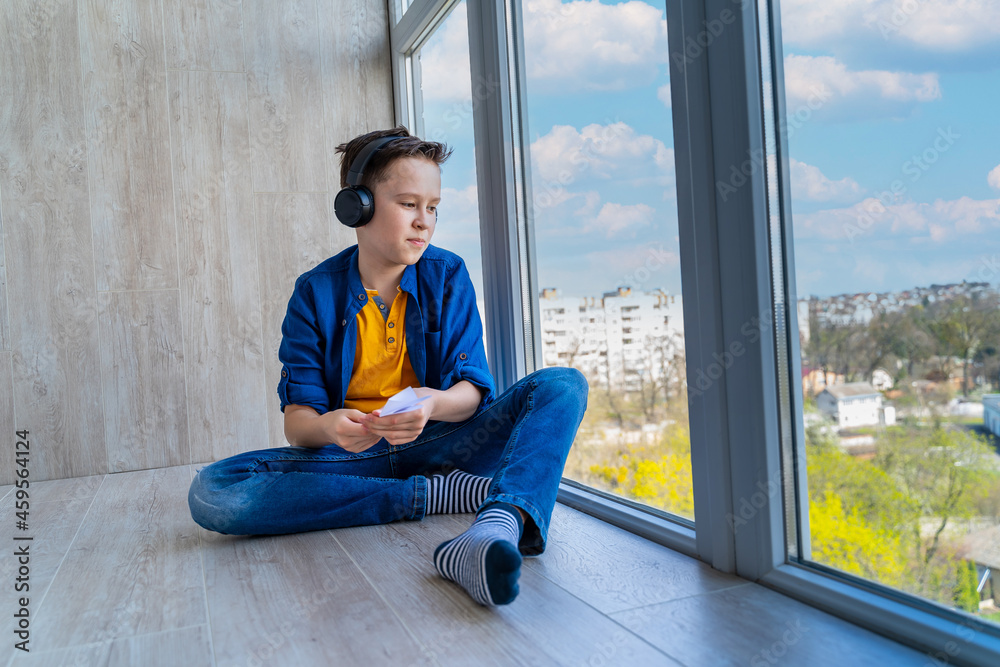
<point>746,428</point>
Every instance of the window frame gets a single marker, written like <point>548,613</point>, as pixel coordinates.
<point>738,423</point>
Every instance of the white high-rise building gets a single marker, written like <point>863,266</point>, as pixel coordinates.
<point>623,339</point>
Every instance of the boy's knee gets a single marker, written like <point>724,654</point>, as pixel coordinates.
<point>572,377</point>
<point>206,509</point>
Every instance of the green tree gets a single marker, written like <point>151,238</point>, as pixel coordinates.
<point>658,475</point>
<point>944,471</point>
<point>966,593</point>
<point>961,326</point>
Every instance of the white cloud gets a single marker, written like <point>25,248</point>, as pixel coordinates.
<point>444,61</point>
<point>993,178</point>
<point>942,26</point>
<point>809,183</point>
<point>663,93</point>
<point>621,220</point>
<point>825,85</point>
<point>586,45</point>
<point>458,218</point>
<point>615,151</point>
<point>576,46</point>
<point>919,223</point>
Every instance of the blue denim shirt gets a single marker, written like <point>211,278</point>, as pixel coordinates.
<point>444,335</point>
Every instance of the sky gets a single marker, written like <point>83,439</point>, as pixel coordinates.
<point>894,143</point>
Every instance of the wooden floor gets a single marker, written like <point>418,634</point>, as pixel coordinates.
<point>121,575</point>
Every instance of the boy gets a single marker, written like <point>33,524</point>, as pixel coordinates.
<point>392,312</point>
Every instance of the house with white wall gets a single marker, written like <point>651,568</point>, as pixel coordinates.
<point>854,404</point>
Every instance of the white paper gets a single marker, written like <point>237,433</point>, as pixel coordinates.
<point>404,401</point>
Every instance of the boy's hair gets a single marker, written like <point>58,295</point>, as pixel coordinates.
<point>378,165</point>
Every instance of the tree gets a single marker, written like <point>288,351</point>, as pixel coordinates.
<point>944,471</point>
<point>912,342</point>
<point>966,591</point>
<point>843,538</point>
<point>658,475</point>
<point>960,326</point>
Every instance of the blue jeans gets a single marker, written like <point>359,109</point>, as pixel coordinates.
<point>520,440</point>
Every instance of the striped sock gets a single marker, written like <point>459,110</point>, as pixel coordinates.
<point>456,492</point>
<point>484,560</point>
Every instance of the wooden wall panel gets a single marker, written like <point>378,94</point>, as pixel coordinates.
<point>293,236</point>
<point>131,203</point>
<point>135,140</point>
<point>204,34</point>
<point>286,101</point>
<point>220,295</point>
<point>357,74</point>
<point>144,395</point>
<point>49,240</point>
<point>7,425</point>
<point>4,321</point>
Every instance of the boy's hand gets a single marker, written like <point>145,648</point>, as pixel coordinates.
<point>349,432</point>
<point>402,427</point>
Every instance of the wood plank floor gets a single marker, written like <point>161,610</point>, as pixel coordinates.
<point>121,575</point>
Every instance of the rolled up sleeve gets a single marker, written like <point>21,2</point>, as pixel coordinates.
<point>301,354</point>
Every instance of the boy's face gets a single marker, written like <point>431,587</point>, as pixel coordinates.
<point>405,205</point>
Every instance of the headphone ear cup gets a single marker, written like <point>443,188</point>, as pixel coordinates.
<point>354,206</point>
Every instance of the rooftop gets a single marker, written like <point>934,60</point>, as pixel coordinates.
<point>852,389</point>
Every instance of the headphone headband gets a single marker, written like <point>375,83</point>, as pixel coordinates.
<point>357,169</point>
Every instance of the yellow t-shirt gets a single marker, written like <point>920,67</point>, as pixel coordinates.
<point>381,363</point>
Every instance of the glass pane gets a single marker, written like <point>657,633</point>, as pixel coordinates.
<point>443,85</point>
<point>605,221</point>
<point>397,9</point>
<point>894,178</point>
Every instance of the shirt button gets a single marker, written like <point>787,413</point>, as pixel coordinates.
<point>284,374</point>
<point>392,324</point>
<point>392,340</point>
<point>381,306</point>
<point>462,355</point>
<point>361,297</point>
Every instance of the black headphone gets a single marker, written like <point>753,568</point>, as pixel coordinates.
<point>355,204</point>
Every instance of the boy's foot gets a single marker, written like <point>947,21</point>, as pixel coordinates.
<point>456,492</point>
<point>484,560</point>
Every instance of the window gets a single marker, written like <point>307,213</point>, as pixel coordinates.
<point>605,229</point>
<point>442,94</point>
<point>749,141</point>
<point>891,197</point>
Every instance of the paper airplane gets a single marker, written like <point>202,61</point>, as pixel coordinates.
<point>404,401</point>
